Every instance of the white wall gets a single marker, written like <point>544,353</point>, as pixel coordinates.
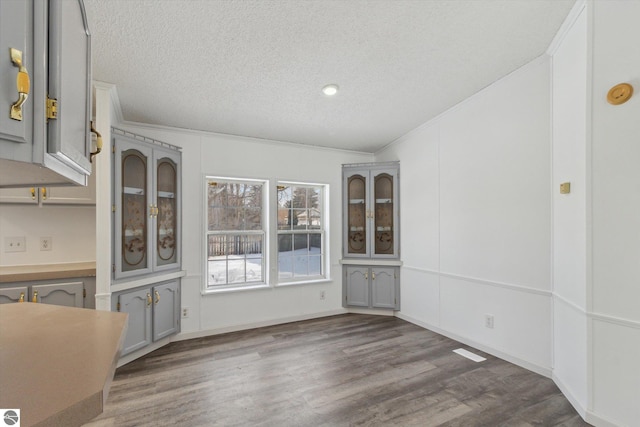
<point>475,215</point>
<point>72,229</point>
<point>570,152</point>
<point>233,156</point>
<point>615,292</point>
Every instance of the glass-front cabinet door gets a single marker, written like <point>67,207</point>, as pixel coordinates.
<point>166,212</point>
<point>146,208</point>
<point>134,209</point>
<point>357,213</point>
<point>371,212</point>
<point>383,213</point>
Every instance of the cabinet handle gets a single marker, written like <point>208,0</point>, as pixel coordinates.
<point>151,211</point>
<point>366,276</point>
<point>373,276</point>
<point>33,193</point>
<point>149,300</point>
<point>44,193</point>
<point>98,143</point>
<point>23,84</point>
<point>157,296</point>
<point>35,296</point>
<point>21,299</point>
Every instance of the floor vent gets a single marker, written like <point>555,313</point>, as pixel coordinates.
<point>469,355</point>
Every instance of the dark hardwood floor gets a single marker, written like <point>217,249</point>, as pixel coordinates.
<point>348,370</point>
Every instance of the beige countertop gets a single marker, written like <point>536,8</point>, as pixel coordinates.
<point>24,273</point>
<point>57,363</point>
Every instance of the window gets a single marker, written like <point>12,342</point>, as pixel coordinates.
<point>300,232</point>
<point>235,233</point>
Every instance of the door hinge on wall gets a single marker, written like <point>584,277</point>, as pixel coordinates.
<point>52,108</point>
<point>118,307</point>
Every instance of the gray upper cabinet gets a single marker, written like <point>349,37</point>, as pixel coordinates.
<point>45,93</point>
<point>146,203</point>
<point>16,69</point>
<point>370,200</point>
<point>69,134</point>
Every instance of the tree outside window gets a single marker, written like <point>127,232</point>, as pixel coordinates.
<point>235,232</point>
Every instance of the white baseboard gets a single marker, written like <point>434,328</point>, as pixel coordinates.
<point>577,405</point>
<point>243,327</point>
<point>546,372</point>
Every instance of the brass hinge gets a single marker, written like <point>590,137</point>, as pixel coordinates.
<point>113,208</point>
<point>84,293</point>
<point>113,148</point>
<point>52,108</point>
<point>118,307</point>
<point>113,268</point>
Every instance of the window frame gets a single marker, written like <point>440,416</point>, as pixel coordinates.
<point>322,231</point>
<point>263,232</point>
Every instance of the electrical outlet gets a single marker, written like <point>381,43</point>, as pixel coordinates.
<point>322,295</point>
<point>185,312</point>
<point>488,321</point>
<point>15,244</point>
<point>46,243</point>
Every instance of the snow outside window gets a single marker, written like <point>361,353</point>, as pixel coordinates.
<point>235,233</point>
<point>300,232</point>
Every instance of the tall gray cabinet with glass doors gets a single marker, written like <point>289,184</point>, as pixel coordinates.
<point>371,247</point>
<point>146,221</point>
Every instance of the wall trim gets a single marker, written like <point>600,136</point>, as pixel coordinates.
<point>566,26</point>
<point>620,321</point>
<point>243,327</point>
<point>541,370</point>
<point>509,286</point>
<point>569,303</point>
<point>202,133</point>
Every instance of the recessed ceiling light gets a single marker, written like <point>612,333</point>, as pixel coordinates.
<point>330,90</point>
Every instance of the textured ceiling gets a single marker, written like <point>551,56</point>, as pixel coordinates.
<point>256,68</point>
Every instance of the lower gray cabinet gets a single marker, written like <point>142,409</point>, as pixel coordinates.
<point>154,313</point>
<point>69,294</point>
<point>372,287</point>
<point>14,294</point>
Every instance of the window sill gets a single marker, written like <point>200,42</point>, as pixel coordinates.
<point>304,282</point>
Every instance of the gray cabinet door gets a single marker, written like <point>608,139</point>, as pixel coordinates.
<point>133,199</point>
<point>66,294</point>
<point>16,31</point>
<point>357,284</point>
<point>383,287</point>
<point>166,222</point>
<point>69,82</point>
<point>15,294</point>
<point>137,305</point>
<point>166,310</point>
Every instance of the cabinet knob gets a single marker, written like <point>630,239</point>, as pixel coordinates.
<point>21,299</point>
<point>35,296</point>
<point>149,300</point>
<point>44,193</point>
<point>23,84</point>
<point>33,193</point>
<point>373,276</point>
<point>157,297</point>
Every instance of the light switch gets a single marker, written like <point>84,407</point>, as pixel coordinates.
<point>565,188</point>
